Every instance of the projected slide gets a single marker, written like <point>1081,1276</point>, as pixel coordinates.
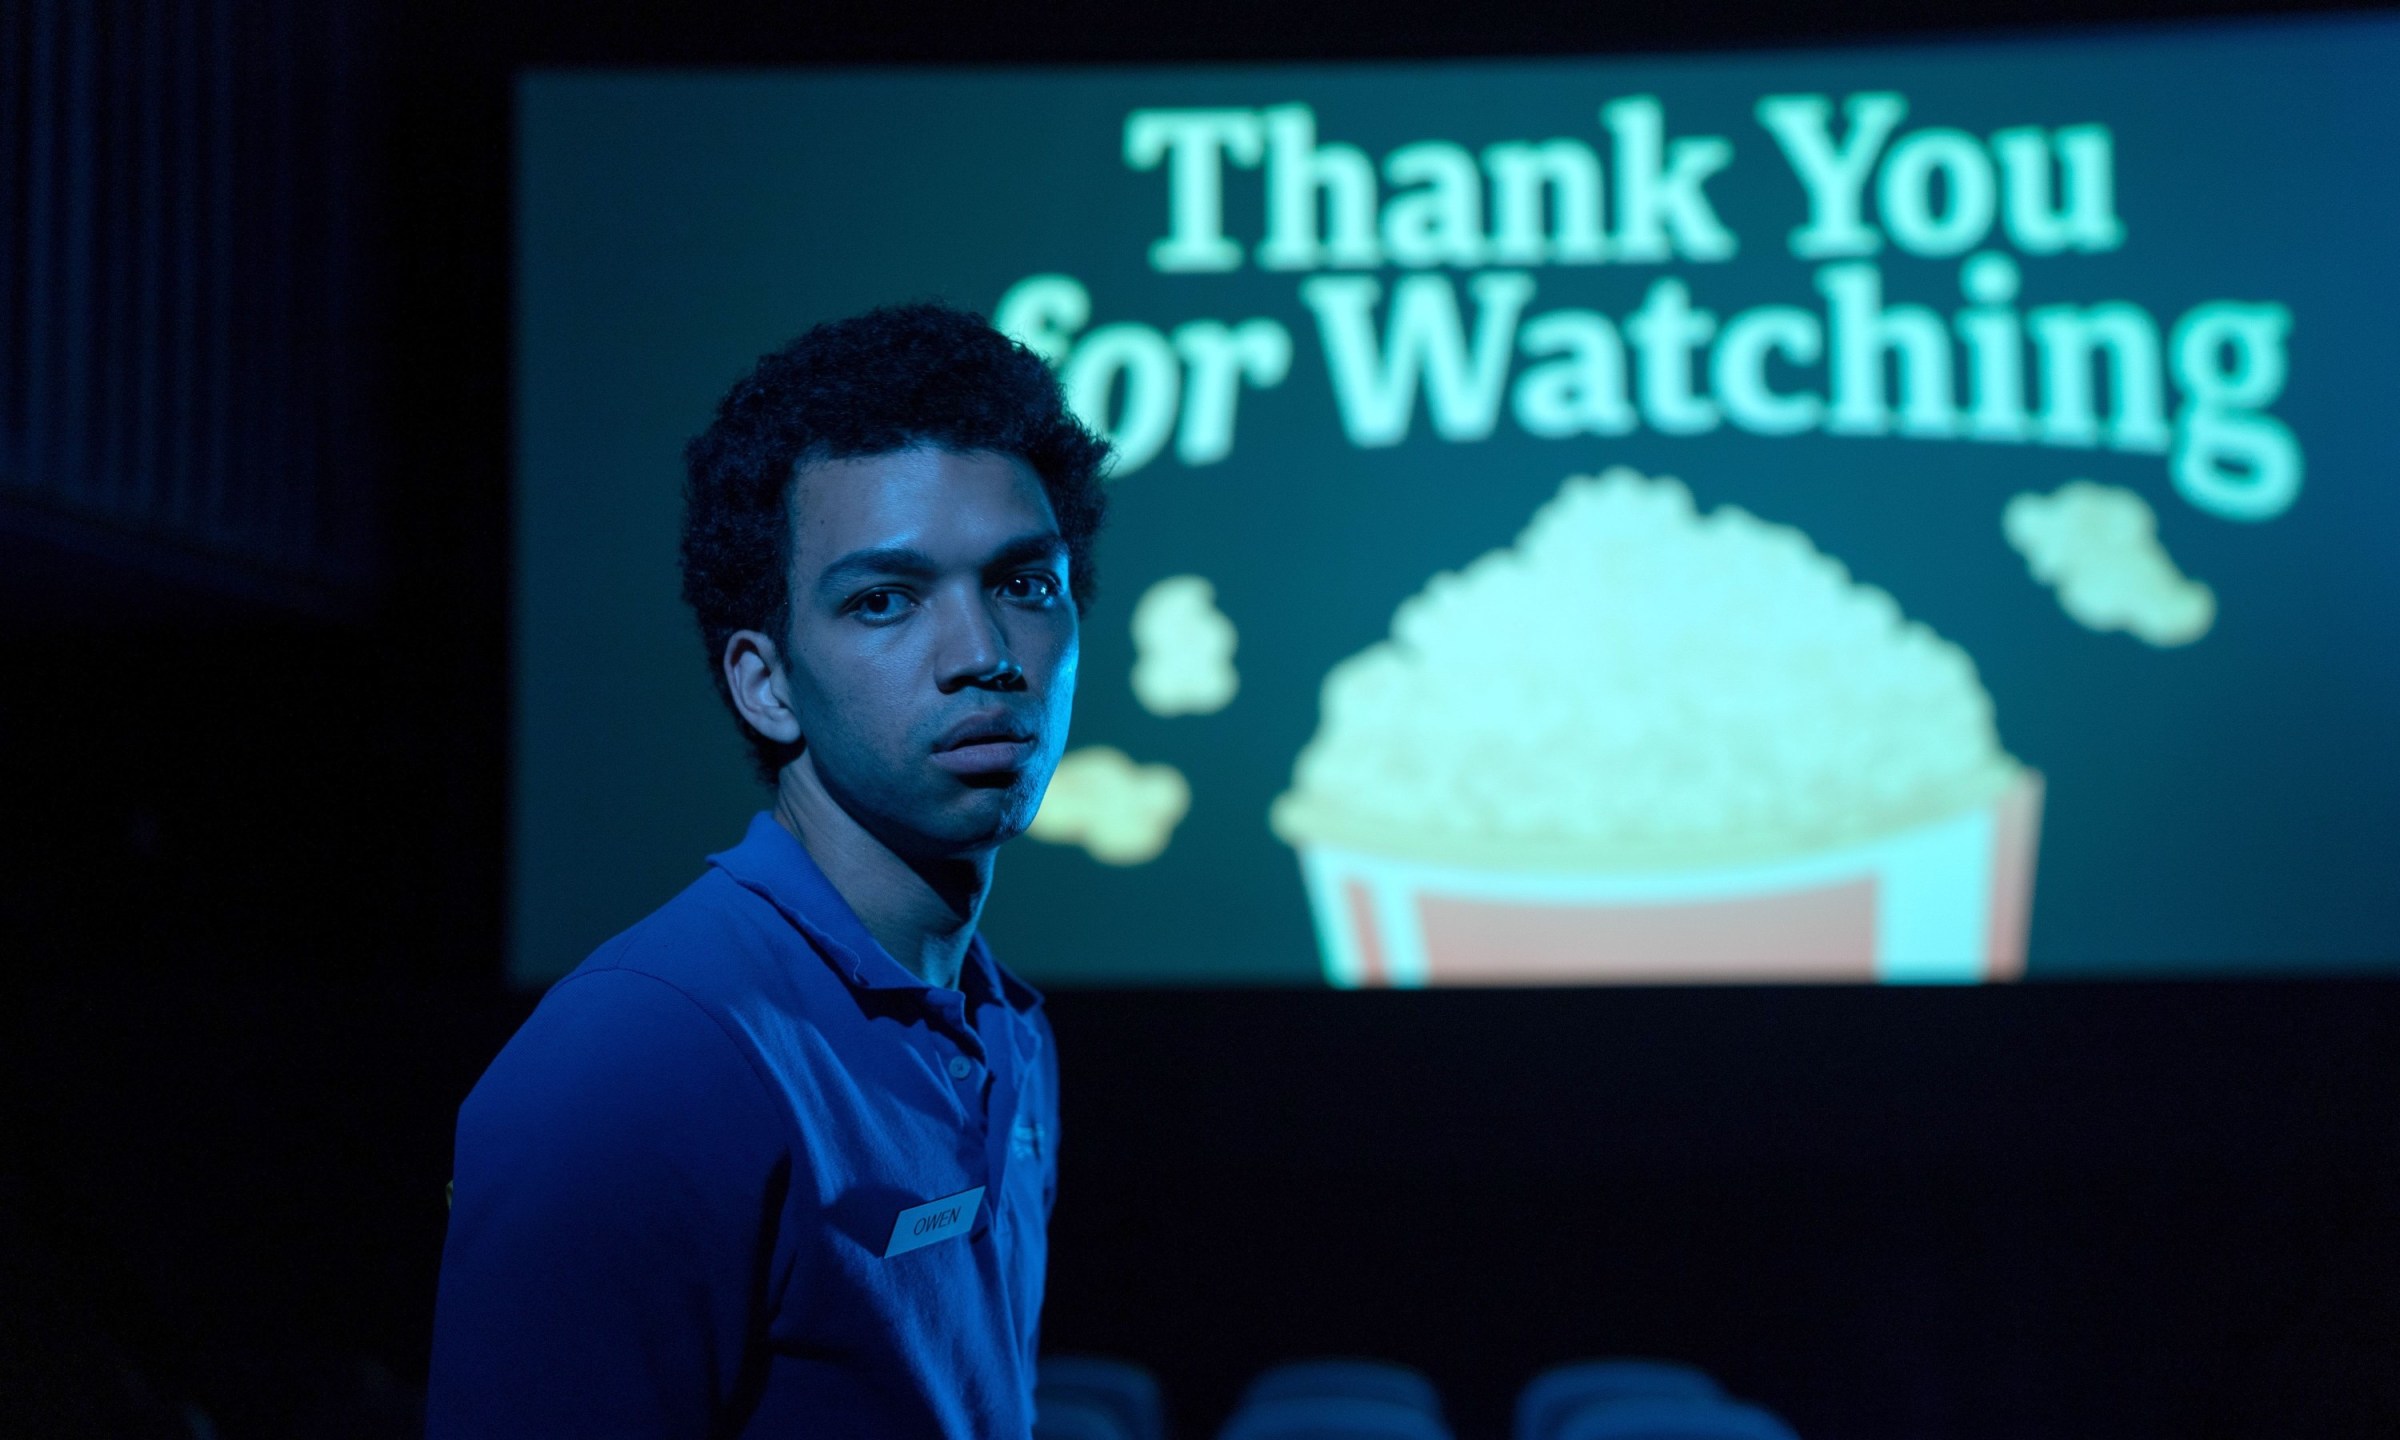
<point>1912,515</point>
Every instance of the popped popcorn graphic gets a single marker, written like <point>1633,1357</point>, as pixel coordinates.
<point>1120,811</point>
<point>2097,547</point>
<point>1183,648</point>
<point>1634,682</point>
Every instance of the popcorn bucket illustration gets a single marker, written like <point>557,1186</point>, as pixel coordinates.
<point>1645,743</point>
<point>1943,902</point>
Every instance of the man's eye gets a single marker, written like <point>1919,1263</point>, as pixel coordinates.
<point>1031,586</point>
<point>880,604</point>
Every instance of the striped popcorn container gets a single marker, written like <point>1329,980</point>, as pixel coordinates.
<point>1944,901</point>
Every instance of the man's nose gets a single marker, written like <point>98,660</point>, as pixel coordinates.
<point>975,648</point>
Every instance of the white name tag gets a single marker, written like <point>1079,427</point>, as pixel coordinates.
<point>921,1225</point>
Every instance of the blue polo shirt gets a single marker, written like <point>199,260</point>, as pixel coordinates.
<point>742,1174</point>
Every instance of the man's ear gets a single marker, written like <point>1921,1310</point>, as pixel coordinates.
<point>761,689</point>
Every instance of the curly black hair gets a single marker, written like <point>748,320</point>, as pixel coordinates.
<point>894,378</point>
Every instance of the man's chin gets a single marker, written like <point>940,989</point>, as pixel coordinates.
<point>985,817</point>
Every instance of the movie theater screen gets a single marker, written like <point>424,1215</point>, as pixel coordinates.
<point>1887,514</point>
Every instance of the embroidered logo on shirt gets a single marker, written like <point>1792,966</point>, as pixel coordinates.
<point>922,1225</point>
<point>1026,1140</point>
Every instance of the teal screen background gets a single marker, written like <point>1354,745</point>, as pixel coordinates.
<point>2221,807</point>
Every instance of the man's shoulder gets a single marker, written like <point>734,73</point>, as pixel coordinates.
<point>667,995</point>
<point>687,979</point>
<point>715,942</point>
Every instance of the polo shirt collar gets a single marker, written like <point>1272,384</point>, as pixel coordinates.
<point>771,862</point>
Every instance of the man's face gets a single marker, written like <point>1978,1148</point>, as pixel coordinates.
<point>931,656</point>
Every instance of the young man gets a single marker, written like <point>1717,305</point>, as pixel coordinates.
<point>779,1160</point>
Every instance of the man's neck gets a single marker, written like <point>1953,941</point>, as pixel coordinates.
<point>924,913</point>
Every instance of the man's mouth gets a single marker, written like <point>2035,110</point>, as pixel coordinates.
<point>992,740</point>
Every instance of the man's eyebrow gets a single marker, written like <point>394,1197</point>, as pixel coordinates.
<point>915,564</point>
<point>1025,549</point>
<point>884,560</point>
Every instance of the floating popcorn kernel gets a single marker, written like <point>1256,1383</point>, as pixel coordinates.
<point>2097,548</point>
<point>1183,649</point>
<point>1119,811</point>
